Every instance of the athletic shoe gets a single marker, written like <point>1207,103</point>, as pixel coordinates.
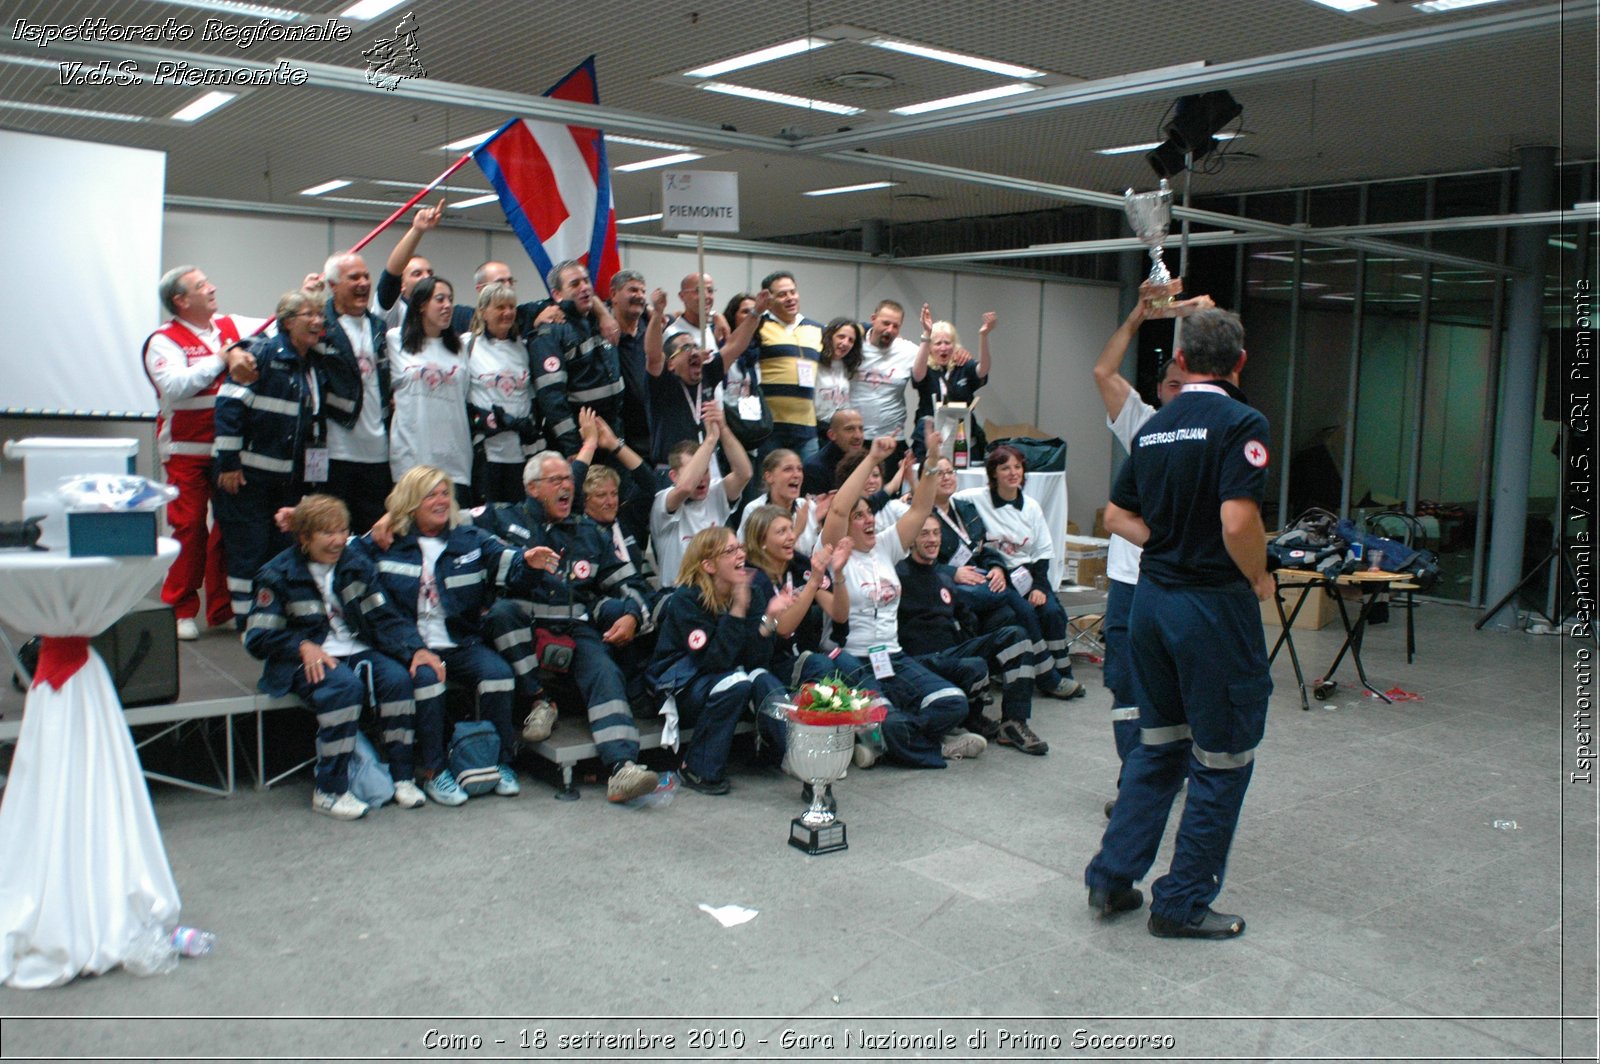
<point>508,787</point>
<point>540,720</point>
<point>959,744</point>
<point>1016,733</point>
<point>981,724</point>
<point>1206,924</point>
<point>407,795</point>
<point>444,789</point>
<point>695,782</point>
<point>629,781</point>
<point>1067,688</point>
<point>865,756</point>
<point>344,806</point>
<point>188,628</point>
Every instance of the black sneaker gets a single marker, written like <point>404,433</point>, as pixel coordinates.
<point>980,724</point>
<point>1208,924</point>
<point>704,786</point>
<point>1108,901</point>
<point>1017,734</point>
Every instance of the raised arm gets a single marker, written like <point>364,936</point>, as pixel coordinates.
<point>427,218</point>
<point>990,319</point>
<point>655,355</point>
<point>1114,387</point>
<point>740,338</point>
<point>838,602</point>
<point>927,489</point>
<point>919,367</point>
<point>739,468</point>
<point>849,493</point>
<point>690,472</point>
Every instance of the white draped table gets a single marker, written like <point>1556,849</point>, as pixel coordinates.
<point>82,866</point>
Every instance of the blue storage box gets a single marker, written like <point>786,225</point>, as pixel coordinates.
<point>95,534</point>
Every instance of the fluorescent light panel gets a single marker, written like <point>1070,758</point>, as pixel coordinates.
<point>412,185</point>
<point>203,106</point>
<point>756,58</point>
<point>1347,5</point>
<point>780,98</point>
<point>661,145</point>
<point>469,142</point>
<point>476,201</point>
<point>638,218</point>
<point>665,160</point>
<point>976,62</point>
<point>999,92</point>
<point>367,10</point>
<point>850,188</point>
<point>326,186</point>
<point>238,7</point>
<point>71,112</point>
<point>1129,149</point>
<point>1434,7</point>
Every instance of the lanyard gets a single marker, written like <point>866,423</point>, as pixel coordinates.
<point>955,526</point>
<point>694,404</point>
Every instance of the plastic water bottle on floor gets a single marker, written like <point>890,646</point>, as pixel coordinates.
<point>151,952</point>
<point>193,942</point>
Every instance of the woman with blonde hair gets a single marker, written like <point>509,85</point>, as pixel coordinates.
<point>500,406</point>
<point>441,571</point>
<point>944,371</point>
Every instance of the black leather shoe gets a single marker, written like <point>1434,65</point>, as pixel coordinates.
<point>828,801</point>
<point>1108,901</point>
<point>1208,924</point>
<point>704,786</point>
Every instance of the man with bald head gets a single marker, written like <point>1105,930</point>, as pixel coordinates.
<point>359,396</point>
<point>700,322</point>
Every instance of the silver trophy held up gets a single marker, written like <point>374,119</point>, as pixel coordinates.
<point>1150,214</point>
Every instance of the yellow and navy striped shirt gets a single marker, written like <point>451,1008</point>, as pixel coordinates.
<point>780,350</point>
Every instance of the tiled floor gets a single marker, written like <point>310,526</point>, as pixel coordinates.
<point>1419,882</point>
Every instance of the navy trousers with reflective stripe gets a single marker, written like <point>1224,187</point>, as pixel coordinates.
<point>337,702</point>
<point>474,666</point>
<point>1121,678</point>
<point>1202,659</point>
<point>711,704</point>
<point>250,538</point>
<point>792,672</point>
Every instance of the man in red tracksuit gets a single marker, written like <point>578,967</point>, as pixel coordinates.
<point>185,360</point>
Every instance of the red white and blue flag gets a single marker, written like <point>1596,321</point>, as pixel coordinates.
<point>555,185</point>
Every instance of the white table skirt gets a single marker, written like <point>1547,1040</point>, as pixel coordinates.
<point>82,867</point>
<point>1049,490</point>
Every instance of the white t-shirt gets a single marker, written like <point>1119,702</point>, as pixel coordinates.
<point>878,389</point>
<point>1021,536</point>
<point>874,589</point>
<point>369,440</point>
<point>430,610</point>
<point>1122,557</point>
<point>805,541</point>
<point>833,390</point>
<point>670,533</point>
<point>341,641</point>
<point>500,377</point>
<point>430,410</point>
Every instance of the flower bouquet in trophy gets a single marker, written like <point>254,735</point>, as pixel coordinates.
<point>822,723</point>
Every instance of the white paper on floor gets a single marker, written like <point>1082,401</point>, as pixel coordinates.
<point>729,915</point>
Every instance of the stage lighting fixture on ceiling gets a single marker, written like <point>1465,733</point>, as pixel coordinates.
<point>1195,122</point>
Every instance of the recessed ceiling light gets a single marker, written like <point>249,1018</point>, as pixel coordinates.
<point>1434,7</point>
<point>476,201</point>
<point>326,186</point>
<point>239,7</point>
<point>1347,5</point>
<point>412,185</point>
<point>850,188</point>
<point>388,204</point>
<point>1564,245</point>
<point>665,160</point>
<point>999,92</point>
<point>636,219</point>
<point>756,58</point>
<point>203,106</point>
<point>467,143</point>
<point>72,112</point>
<point>780,98</point>
<point>367,10</point>
<point>976,62</point>
<point>639,142</point>
<point>1129,149</point>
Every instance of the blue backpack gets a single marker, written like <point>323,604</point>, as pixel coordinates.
<point>475,756</point>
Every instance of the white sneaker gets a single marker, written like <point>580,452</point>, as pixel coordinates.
<point>864,755</point>
<point>959,744</point>
<point>344,806</point>
<point>536,727</point>
<point>630,781</point>
<point>188,628</point>
<point>407,795</point>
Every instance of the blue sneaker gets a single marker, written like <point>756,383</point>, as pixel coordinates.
<point>444,789</point>
<point>508,785</point>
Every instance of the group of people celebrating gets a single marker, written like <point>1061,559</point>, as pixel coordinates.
<point>549,505</point>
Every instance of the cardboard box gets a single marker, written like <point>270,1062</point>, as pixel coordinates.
<point>1099,530</point>
<point>1072,529</point>
<point>1085,571</point>
<point>96,534</point>
<point>1000,432</point>
<point>1319,611</point>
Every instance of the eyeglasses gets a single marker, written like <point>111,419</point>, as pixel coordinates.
<point>729,552</point>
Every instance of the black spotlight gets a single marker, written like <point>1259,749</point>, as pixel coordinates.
<point>1196,119</point>
<point>1167,160</point>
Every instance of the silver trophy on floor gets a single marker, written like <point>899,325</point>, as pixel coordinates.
<point>1150,214</point>
<point>819,755</point>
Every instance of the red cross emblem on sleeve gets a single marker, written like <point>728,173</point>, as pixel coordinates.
<point>1255,452</point>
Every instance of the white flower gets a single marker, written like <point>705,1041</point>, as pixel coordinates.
<point>822,691</point>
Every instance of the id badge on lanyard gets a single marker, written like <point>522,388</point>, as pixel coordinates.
<point>316,452</point>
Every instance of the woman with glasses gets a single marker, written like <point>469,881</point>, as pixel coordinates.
<point>710,651</point>
<point>271,443</point>
<point>430,381</point>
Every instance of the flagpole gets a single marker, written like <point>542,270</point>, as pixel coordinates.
<point>700,285</point>
<point>412,202</point>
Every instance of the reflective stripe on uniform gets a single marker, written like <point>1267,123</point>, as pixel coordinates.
<point>1224,760</point>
